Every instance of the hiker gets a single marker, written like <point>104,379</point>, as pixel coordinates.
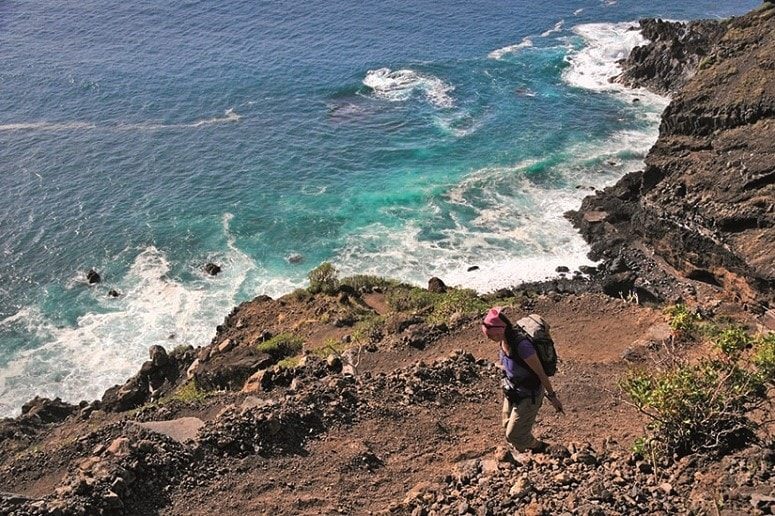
<point>527,358</point>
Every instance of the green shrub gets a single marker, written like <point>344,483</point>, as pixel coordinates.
<point>281,346</point>
<point>681,320</point>
<point>323,279</point>
<point>369,329</point>
<point>301,295</point>
<point>189,392</point>
<point>732,340</point>
<point>465,301</point>
<point>439,307</point>
<point>693,408</point>
<point>763,356</point>
<point>407,299</point>
<point>367,283</point>
<point>330,346</point>
<point>289,362</point>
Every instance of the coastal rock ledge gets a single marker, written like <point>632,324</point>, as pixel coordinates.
<point>705,202</point>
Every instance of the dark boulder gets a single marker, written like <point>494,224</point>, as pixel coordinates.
<point>93,277</point>
<point>113,293</point>
<point>156,377</point>
<point>619,285</point>
<point>45,410</point>
<point>230,370</point>
<point>212,269</point>
<point>473,268</point>
<point>436,285</point>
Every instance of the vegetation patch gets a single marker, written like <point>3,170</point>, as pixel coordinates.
<point>301,295</point>
<point>288,362</point>
<point>368,283</point>
<point>369,329</point>
<point>438,307</point>
<point>323,279</point>
<point>189,392</point>
<point>683,321</point>
<point>763,357</point>
<point>703,407</point>
<point>282,345</point>
<point>330,347</point>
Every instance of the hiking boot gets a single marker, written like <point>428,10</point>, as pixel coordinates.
<point>541,447</point>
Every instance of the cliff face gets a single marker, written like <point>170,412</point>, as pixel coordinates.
<point>672,55</point>
<point>705,202</point>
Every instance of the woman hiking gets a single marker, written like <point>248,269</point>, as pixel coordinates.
<point>525,380</point>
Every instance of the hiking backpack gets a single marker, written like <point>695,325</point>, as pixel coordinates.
<point>537,331</point>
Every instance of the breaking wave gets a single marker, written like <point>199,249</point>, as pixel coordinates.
<point>400,85</point>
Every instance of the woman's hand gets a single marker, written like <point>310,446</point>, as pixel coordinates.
<point>555,401</point>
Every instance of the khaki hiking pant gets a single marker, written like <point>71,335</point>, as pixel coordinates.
<point>518,420</point>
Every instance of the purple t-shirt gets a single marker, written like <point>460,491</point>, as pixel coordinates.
<point>516,371</point>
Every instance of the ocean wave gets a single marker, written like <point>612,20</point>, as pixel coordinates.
<point>557,28</point>
<point>510,49</point>
<point>105,347</point>
<point>47,126</point>
<point>399,85</point>
<point>459,125</point>
<point>229,116</point>
<point>507,220</point>
<point>605,44</point>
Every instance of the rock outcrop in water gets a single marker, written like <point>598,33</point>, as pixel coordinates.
<point>705,202</point>
<point>672,54</point>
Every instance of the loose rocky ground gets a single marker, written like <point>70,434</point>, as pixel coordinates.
<point>403,428</point>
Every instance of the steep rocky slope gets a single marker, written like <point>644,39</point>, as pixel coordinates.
<point>705,202</point>
<point>404,421</point>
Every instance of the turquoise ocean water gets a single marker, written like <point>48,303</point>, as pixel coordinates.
<point>407,139</point>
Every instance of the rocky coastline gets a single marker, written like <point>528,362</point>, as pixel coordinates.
<point>365,396</point>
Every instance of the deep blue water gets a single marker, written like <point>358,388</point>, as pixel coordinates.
<point>389,137</point>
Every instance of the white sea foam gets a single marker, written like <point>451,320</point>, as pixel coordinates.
<point>47,126</point>
<point>511,49</point>
<point>229,116</point>
<point>399,85</point>
<point>106,347</point>
<point>592,66</point>
<point>557,28</point>
<point>460,124</point>
<point>517,233</point>
<point>578,11</point>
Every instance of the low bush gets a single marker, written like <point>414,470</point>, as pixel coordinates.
<point>301,295</point>
<point>367,283</point>
<point>323,279</point>
<point>763,357</point>
<point>463,301</point>
<point>369,329</point>
<point>695,408</point>
<point>731,341</point>
<point>682,320</point>
<point>189,392</point>
<point>408,299</point>
<point>704,406</point>
<point>439,307</point>
<point>288,362</point>
<point>330,347</point>
<point>281,346</point>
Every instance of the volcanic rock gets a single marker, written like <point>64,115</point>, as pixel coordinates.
<point>212,269</point>
<point>93,277</point>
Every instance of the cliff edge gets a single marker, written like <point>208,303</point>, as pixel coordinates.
<point>705,202</point>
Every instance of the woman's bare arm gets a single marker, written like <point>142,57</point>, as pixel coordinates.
<point>535,364</point>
